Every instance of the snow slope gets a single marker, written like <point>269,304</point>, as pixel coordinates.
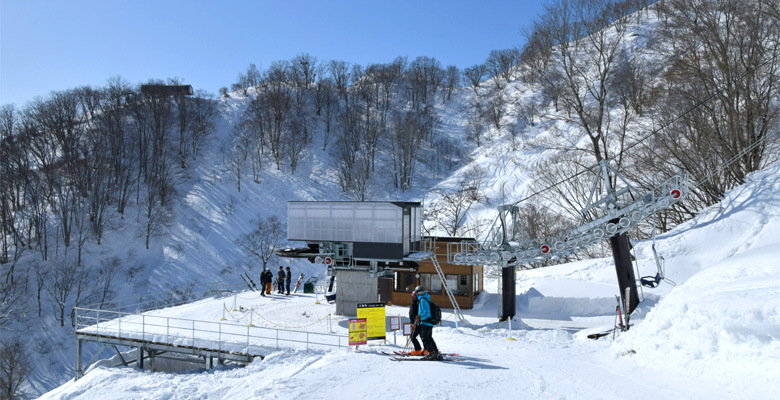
<point>715,335</point>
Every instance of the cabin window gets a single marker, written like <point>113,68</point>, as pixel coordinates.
<point>463,285</point>
<point>431,283</point>
<point>452,283</point>
<point>404,281</point>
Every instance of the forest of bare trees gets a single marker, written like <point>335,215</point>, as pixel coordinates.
<point>72,162</point>
<point>360,112</point>
<point>693,94</point>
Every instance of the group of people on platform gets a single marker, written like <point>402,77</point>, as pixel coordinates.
<point>283,279</point>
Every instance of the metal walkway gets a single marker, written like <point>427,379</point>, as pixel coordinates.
<point>205,342</point>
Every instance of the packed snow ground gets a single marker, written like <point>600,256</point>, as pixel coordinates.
<point>715,335</point>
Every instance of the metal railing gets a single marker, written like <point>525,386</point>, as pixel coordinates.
<point>181,332</point>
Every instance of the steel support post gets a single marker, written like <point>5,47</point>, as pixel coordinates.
<point>140,360</point>
<point>508,292</point>
<point>79,345</point>
<point>621,252</point>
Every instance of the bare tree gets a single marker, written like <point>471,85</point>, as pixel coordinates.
<point>267,235</point>
<point>303,70</point>
<point>724,63</point>
<point>204,112</point>
<point>453,80</point>
<point>278,99</point>
<point>475,126</point>
<point>236,156</point>
<point>106,275</point>
<point>474,75</point>
<point>585,57</point>
<point>155,120</point>
<point>567,182</point>
<point>451,210</point>
<point>339,72</point>
<point>158,213</point>
<point>295,143</point>
<point>9,152</point>
<point>500,64</point>
<point>326,95</point>
<point>11,302</point>
<point>407,137</point>
<point>527,110</point>
<point>253,76</point>
<point>42,271</point>
<point>65,287</point>
<point>425,76</point>
<point>15,368</point>
<point>246,80</point>
<point>495,109</point>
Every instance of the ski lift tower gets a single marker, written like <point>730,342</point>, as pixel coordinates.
<point>610,213</point>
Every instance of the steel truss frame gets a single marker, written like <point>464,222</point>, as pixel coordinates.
<point>609,213</point>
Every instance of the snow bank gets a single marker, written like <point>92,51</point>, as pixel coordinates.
<point>724,321</point>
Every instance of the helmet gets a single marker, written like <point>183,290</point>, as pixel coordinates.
<point>419,290</point>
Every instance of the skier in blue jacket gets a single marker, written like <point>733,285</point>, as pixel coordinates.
<point>426,328</point>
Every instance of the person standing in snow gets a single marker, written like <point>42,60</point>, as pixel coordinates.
<point>413,310</point>
<point>426,328</point>
<point>280,280</point>
<point>269,280</point>
<point>262,282</point>
<point>287,279</point>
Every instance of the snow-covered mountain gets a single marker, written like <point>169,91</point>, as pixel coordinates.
<point>713,335</point>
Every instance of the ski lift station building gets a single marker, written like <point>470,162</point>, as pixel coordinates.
<point>376,252</point>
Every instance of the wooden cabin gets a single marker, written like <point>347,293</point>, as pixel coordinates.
<point>464,281</point>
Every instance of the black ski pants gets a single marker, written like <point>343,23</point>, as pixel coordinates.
<point>426,333</point>
<point>413,337</point>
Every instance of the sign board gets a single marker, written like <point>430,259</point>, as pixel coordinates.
<point>407,328</point>
<point>374,313</point>
<point>357,331</point>
<point>395,323</point>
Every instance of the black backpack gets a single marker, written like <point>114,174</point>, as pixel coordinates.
<point>435,318</point>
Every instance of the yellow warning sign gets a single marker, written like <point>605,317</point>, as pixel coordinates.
<point>374,313</point>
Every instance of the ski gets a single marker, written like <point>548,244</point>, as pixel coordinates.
<point>416,358</point>
<point>600,334</point>
<point>409,354</point>
<point>251,281</point>
<point>298,283</point>
<point>247,283</point>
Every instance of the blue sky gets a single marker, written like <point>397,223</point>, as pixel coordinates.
<point>50,45</point>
